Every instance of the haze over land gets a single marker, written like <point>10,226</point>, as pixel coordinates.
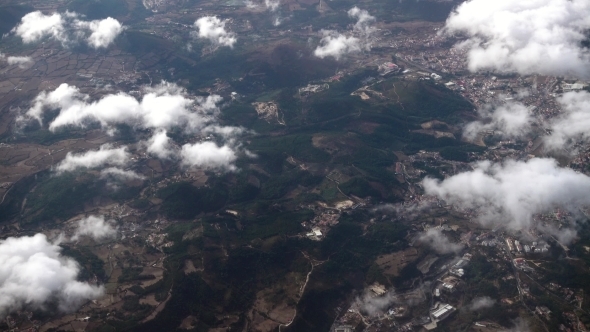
<point>294,165</point>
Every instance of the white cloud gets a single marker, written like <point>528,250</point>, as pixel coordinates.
<point>374,306</point>
<point>227,132</point>
<point>208,155</point>
<point>106,155</point>
<point>511,120</point>
<point>277,21</point>
<point>35,25</point>
<point>161,146</point>
<point>67,28</point>
<point>95,227</point>
<point>63,95</point>
<point>527,37</point>
<point>573,124</point>
<point>120,174</point>
<point>479,303</point>
<point>22,62</point>
<point>438,241</point>
<point>213,29</point>
<point>163,107</point>
<point>364,20</point>
<point>335,44</point>
<point>250,4</point>
<point>102,32</point>
<point>511,193</point>
<point>272,5</point>
<point>34,273</point>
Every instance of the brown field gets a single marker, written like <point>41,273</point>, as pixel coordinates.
<point>270,310</point>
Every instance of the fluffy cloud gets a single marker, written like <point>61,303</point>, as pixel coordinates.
<point>34,273</point>
<point>213,29</point>
<point>573,124</point>
<point>511,193</point>
<point>482,302</point>
<point>208,155</point>
<point>22,61</point>
<point>527,37</point>
<point>364,20</point>
<point>512,119</point>
<point>102,32</point>
<point>439,242</point>
<point>95,227</point>
<point>62,96</point>
<point>36,25</point>
<point>106,155</point>
<point>67,28</point>
<point>163,107</point>
<point>161,146</point>
<point>335,44</point>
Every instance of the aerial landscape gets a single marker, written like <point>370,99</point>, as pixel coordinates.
<point>295,165</point>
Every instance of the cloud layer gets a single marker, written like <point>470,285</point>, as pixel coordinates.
<point>213,29</point>
<point>335,44</point>
<point>509,194</point>
<point>67,28</point>
<point>527,37</point>
<point>34,273</point>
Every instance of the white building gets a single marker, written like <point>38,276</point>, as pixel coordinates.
<point>443,311</point>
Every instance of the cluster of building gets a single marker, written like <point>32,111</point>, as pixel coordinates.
<point>517,247</point>
<point>457,269</point>
<point>438,313</point>
<point>324,219</point>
